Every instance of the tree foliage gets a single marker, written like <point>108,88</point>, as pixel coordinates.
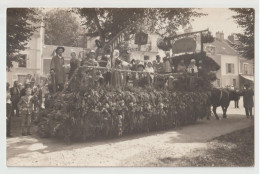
<point>21,23</point>
<point>107,22</point>
<point>62,28</point>
<point>245,18</point>
<point>207,37</point>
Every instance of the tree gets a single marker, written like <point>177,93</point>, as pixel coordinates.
<point>206,38</point>
<point>245,18</point>
<point>21,23</point>
<point>62,28</point>
<point>107,22</point>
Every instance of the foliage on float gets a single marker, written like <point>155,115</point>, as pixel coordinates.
<point>85,111</point>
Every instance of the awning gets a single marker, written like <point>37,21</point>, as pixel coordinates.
<point>247,77</point>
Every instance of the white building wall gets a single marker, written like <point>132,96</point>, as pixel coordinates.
<point>149,49</point>
<point>32,63</point>
<point>227,79</point>
<point>225,59</point>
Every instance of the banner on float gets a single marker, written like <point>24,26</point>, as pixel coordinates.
<point>186,44</point>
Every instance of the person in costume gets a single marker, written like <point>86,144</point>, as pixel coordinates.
<point>192,68</point>
<point>166,64</point>
<point>181,68</point>
<point>74,63</point>
<point>150,70</point>
<point>57,69</point>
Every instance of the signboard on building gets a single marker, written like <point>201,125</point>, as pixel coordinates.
<point>187,43</point>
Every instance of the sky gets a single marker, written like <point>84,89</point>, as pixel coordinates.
<point>218,19</point>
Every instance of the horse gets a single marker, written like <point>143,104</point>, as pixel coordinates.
<point>234,95</point>
<point>220,97</point>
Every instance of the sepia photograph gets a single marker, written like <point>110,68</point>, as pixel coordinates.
<point>130,87</point>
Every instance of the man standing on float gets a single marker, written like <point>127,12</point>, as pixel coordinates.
<point>57,70</point>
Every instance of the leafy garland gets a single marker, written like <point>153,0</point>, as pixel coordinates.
<point>86,111</point>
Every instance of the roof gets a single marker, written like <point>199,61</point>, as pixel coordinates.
<point>222,47</point>
<point>47,50</point>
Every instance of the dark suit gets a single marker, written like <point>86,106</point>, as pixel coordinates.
<point>248,101</point>
<point>60,76</point>
<point>15,97</point>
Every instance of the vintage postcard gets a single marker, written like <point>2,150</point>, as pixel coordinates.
<point>130,87</point>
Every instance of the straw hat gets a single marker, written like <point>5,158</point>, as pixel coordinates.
<point>63,49</point>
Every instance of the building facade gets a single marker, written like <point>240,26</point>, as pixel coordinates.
<point>35,60</point>
<point>30,59</point>
<point>233,67</point>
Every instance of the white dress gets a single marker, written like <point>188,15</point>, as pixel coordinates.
<point>150,70</point>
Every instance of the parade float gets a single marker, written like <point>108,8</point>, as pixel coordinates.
<point>85,110</point>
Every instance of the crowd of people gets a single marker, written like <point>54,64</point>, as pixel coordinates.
<point>125,72</point>
<point>22,101</point>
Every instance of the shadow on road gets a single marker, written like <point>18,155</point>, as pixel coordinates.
<point>202,131</point>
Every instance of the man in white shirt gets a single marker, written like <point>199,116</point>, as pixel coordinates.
<point>192,68</point>
<point>150,70</point>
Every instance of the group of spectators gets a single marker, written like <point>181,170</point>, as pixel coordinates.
<point>22,101</point>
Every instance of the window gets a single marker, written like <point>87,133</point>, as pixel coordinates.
<point>146,57</point>
<point>22,61</point>
<point>246,68</point>
<point>230,68</point>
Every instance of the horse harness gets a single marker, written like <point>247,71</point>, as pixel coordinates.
<point>220,97</point>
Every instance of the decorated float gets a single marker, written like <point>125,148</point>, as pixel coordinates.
<point>86,110</point>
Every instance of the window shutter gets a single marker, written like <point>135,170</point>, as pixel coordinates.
<point>233,68</point>
<point>226,67</point>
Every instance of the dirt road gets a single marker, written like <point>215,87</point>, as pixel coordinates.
<point>138,150</point>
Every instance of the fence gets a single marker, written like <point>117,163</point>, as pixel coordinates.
<point>120,78</point>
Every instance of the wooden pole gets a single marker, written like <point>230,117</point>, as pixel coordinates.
<point>201,44</point>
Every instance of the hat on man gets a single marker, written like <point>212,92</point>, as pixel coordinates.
<point>63,49</point>
<point>192,60</point>
<point>140,64</point>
